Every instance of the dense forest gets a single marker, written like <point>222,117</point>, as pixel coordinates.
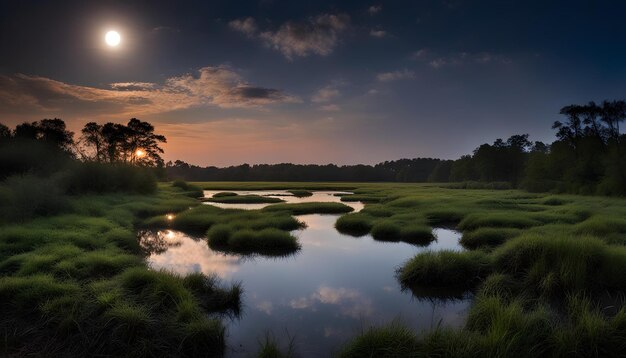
<point>587,157</point>
<point>403,170</point>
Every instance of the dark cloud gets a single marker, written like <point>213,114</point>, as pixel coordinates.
<point>257,93</point>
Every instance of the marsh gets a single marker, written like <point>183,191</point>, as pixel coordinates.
<point>321,295</point>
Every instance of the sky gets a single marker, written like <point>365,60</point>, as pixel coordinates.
<point>345,82</point>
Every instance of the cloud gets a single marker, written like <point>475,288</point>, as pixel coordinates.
<point>330,108</point>
<point>374,9</point>
<point>456,59</point>
<point>351,302</point>
<point>325,94</point>
<point>246,26</point>
<point>164,29</point>
<point>133,86</point>
<point>317,35</point>
<point>395,75</point>
<point>378,33</point>
<point>419,54</point>
<point>219,86</point>
<point>265,306</point>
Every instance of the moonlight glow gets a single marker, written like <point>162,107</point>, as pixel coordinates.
<point>112,38</point>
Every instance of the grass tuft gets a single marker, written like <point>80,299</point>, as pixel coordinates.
<point>487,237</point>
<point>310,208</point>
<point>355,224</point>
<point>300,193</point>
<point>393,340</point>
<point>445,269</point>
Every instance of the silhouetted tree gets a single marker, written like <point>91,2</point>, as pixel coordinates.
<point>587,156</point>
<point>441,172</point>
<point>54,131</point>
<point>612,113</point>
<point>51,131</point>
<point>141,136</point>
<point>26,131</point>
<point>135,143</point>
<point>92,137</point>
<point>5,132</point>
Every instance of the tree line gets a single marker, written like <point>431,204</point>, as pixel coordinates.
<point>403,170</point>
<point>587,157</point>
<point>135,143</point>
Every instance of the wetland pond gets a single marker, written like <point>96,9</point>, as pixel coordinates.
<point>326,293</point>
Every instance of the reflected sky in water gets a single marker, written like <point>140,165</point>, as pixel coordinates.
<point>321,296</point>
<point>318,196</point>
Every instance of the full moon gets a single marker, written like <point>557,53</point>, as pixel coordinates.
<point>112,38</point>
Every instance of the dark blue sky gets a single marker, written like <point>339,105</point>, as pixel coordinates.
<point>312,82</point>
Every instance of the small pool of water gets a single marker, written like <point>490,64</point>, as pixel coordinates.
<point>318,196</point>
<point>321,296</point>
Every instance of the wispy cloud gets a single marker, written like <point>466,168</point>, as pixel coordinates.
<point>438,61</point>
<point>330,108</point>
<point>219,86</point>
<point>164,29</point>
<point>351,302</point>
<point>325,94</point>
<point>374,9</point>
<point>395,75</point>
<point>378,33</point>
<point>317,35</point>
<point>246,26</point>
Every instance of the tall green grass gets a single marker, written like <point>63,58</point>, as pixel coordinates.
<point>267,241</point>
<point>75,283</point>
<point>355,224</point>
<point>445,269</point>
<point>487,237</point>
<point>561,263</point>
<point>393,340</point>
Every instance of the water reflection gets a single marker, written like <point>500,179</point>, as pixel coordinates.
<point>185,254</point>
<point>158,242</point>
<point>318,196</point>
<point>323,295</point>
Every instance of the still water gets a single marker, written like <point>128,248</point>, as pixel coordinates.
<point>326,293</point>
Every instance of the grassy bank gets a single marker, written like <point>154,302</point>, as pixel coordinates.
<point>74,282</point>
